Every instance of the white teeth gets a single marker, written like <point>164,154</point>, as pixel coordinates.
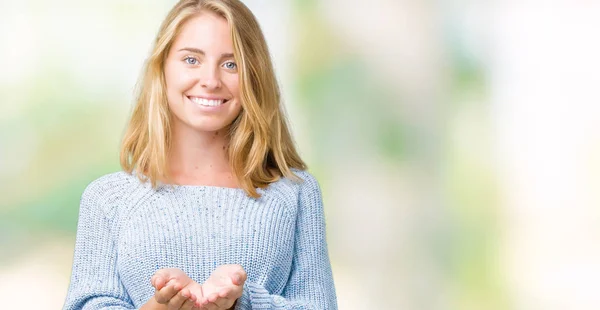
<point>206,102</point>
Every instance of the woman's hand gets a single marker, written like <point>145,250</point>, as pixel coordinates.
<point>223,287</point>
<point>175,289</point>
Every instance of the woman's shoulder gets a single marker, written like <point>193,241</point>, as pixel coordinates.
<point>300,181</point>
<point>110,182</point>
<point>306,178</point>
<point>108,188</point>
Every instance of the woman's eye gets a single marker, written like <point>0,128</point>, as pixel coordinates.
<point>191,60</point>
<point>230,65</point>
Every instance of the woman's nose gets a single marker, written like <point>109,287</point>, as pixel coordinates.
<point>209,77</point>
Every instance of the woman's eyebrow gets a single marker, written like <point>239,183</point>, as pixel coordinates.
<point>201,52</point>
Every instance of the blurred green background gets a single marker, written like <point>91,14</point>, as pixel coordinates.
<point>456,142</point>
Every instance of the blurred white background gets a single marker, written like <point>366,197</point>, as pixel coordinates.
<point>457,142</point>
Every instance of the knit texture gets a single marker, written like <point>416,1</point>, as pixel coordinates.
<point>127,231</point>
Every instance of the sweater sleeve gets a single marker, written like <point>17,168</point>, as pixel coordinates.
<point>95,282</point>
<point>310,285</point>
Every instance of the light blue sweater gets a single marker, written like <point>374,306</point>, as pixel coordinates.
<point>127,231</point>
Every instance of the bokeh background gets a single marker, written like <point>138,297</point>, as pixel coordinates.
<point>457,142</point>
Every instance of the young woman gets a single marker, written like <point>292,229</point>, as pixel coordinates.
<point>214,208</point>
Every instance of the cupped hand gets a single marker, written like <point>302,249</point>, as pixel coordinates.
<point>175,289</point>
<point>223,287</point>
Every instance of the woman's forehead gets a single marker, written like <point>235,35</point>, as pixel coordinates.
<point>206,31</point>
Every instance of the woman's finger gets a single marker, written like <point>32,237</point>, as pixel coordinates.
<point>163,295</point>
<point>188,294</point>
<point>220,302</point>
<point>233,292</point>
<point>223,302</point>
<point>177,301</point>
<point>207,303</point>
<point>238,277</point>
<point>159,282</point>
<point>160,279</point>
<point>211,306</point>
<point>224,293</point>
<point>213,297</point>
<point>188,304</point>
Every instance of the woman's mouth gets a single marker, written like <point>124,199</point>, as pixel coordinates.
<point>207,102</point>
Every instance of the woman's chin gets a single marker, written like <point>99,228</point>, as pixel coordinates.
<point>208,127</point>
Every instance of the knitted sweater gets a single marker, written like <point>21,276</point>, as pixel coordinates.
<point>127,231</point>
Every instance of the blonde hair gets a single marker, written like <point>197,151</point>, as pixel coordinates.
<point>261,148</point>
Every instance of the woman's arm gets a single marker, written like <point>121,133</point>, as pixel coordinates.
<point>310,285</point>
<point>95,283</point>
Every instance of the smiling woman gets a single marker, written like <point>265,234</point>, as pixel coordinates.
<point>214,208</point>
<point>202,80</point>
<point>197,48</point>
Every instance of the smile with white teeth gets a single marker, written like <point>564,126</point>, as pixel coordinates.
<point>207,102</point>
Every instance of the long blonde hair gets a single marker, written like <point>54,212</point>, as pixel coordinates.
<point>261,148</point>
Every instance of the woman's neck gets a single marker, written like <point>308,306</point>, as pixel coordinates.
<point>200,159</point>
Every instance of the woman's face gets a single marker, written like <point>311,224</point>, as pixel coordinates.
<point>202,76</point>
